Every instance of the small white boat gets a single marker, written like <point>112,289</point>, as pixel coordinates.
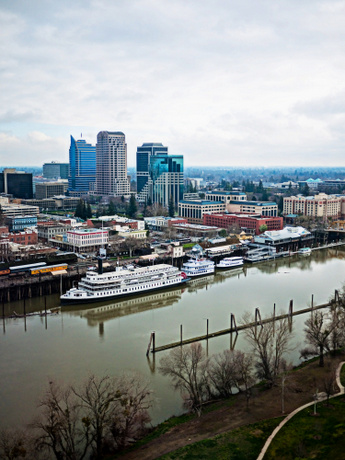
<point>230,262</point>
<point>304,251</point>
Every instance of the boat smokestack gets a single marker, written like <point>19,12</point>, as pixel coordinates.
<point>100,266</point>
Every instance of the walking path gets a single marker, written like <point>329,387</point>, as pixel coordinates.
<point>286,419</point>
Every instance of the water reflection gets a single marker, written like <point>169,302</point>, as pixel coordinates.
<point>98,315</point>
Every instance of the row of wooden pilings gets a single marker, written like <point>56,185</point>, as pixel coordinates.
<point>234,329</point>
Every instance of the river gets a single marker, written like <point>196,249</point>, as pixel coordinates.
<point>113,338</point>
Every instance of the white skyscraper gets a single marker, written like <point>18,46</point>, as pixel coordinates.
<point>111,164</point>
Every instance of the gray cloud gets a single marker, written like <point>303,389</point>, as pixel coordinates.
<point>257,81</point>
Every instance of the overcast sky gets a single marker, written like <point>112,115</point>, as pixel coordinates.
<point>245,82</point>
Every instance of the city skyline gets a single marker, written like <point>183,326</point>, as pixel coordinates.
<point>225,83</point>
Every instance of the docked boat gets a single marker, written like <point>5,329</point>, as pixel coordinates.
<point>198,265</point>
<point>96,286</point>
<point>304,251</point>
<point>229,262</point>
<point>260,254</point>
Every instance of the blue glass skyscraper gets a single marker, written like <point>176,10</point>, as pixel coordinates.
<point>159,175</point>
<point>82,161</point>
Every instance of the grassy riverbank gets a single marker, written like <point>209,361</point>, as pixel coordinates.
<point>228,429</point>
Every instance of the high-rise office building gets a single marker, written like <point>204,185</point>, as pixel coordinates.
<point>111,164</point>
<point>16,183</point>
<point>144,154</point>
<point>159,175</point>
<point>82,167</point>
<point>55,170</point>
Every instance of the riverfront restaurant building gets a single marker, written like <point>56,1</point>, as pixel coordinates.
<point>288,239</point>
<point>248,223</point>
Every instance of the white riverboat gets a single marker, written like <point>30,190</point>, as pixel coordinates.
<point>198,265</point>
<point>96,287</point>
<point>230,262</point>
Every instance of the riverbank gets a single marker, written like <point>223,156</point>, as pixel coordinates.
<point>228,415</point>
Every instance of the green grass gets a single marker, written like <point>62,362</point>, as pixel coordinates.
<point>240,444</point>
<point>307,436</point>
<point>188,245</point>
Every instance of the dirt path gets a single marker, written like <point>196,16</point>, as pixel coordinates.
<point>299,389</point>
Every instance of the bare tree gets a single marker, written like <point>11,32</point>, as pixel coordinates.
<point>318,331</point>
<point>15,444</point>
<point>229,370</point>
<point>269,343</point>
<point>245,378</point>
<point>329,381</point>
<point>187,368</point>
<point>222,373</point>
<point>97,398</point>
<point>131,414</point>
<point>131,244</point>
<point>60,430</point>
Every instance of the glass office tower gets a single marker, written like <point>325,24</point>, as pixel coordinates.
<point>159,175</point>
<point>82,167</point>
<point>144,153</point>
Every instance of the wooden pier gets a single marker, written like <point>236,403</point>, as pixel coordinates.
<point>234,329</point>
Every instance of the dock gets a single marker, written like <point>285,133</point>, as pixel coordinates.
<point>234,329</point>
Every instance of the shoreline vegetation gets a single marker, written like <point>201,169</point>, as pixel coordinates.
<point>230,430</point>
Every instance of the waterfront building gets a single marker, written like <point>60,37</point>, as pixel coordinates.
<point>16,183</point>
<point>289,238</point>
<point>18,223</point>
<point>50,189</point>
<point>159,175</point>
<point>248,223</point>
<point>194,210</point>
<point>82,167</point>
<point>321,205</point>
<point>55,170</point>
<point>111,165</point>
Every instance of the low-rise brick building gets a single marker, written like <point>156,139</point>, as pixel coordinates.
<point>248,223</point>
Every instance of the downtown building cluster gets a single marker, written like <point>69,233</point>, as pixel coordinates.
<point>101,170</point>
